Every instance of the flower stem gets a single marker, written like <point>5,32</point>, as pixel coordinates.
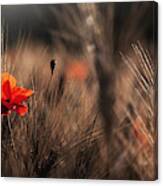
<point>12,139</point>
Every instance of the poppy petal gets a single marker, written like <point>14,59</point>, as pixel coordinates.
<point>20,94</point>
<point>21,110</point>
<point>6,90</point>
<point>8,105</point>
<point>7,77</point>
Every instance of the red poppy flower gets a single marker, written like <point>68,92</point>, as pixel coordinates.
<point>13,97</point>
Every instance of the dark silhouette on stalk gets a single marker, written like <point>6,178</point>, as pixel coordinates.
<point>52,65</point>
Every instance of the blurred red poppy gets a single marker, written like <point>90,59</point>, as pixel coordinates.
<point>138,131</point>
<point>77,70</point>
<point>13,97</point>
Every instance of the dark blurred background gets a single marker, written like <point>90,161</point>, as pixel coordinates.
<point>132,21</point>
